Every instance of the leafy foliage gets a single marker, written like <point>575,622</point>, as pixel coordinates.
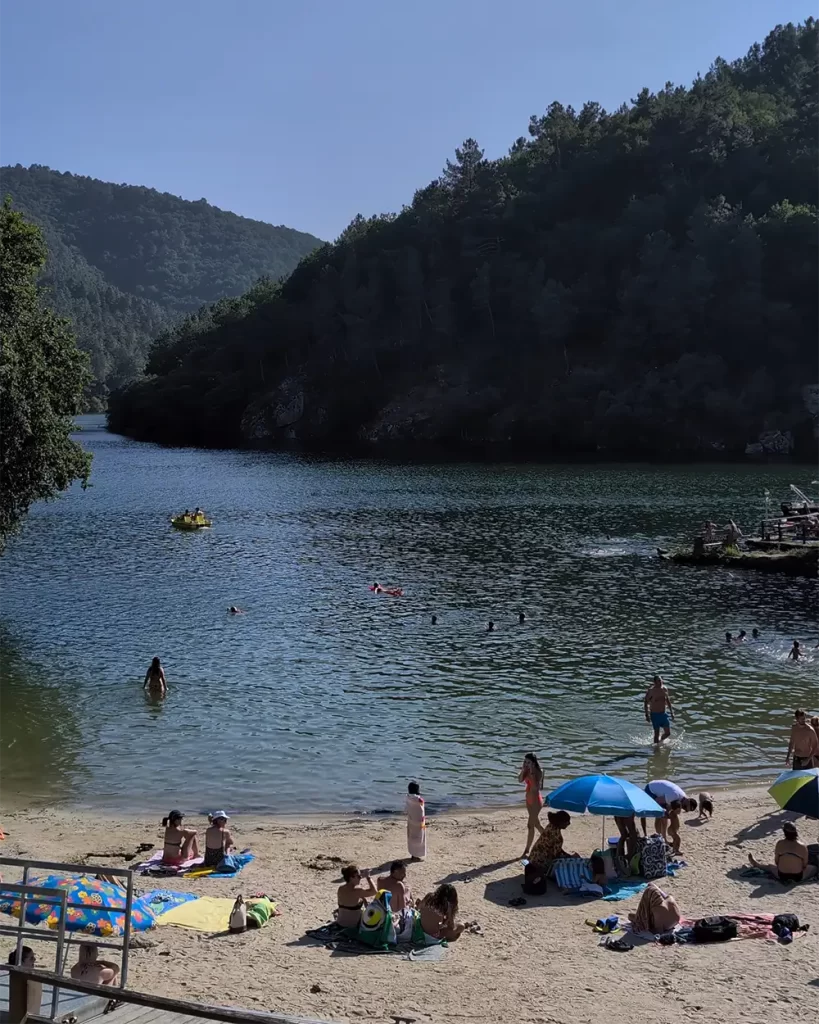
<point>42,376</point>
<point>125,262</point>
<point>642,280</point>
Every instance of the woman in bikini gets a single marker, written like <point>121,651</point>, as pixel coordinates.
<point>155,682</point>
<point>180,844</point>
<point>532,775</point>
<point>438,910</point>
<point>352,896</point>
<point>218,841</point>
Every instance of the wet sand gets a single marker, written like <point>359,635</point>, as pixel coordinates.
<point>537,963</point>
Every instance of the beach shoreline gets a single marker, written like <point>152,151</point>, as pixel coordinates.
<point>534,964</point>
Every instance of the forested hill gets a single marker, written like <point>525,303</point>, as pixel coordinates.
<point>126,261</point>
<point>640,281</point>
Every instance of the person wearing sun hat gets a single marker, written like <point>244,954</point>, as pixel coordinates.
<point>218,841</point>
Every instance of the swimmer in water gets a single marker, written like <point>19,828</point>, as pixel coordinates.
<point>742,636</point>
<point>755,633</point>
<point>795,654</point>
<point>490,626</point>
<point>657,706</point>
<point>729,638</point>
<point>155,682</point>
<point>377,588</point>
<point>434,620</point>
<point>233,610</point>
<point>522,618</point>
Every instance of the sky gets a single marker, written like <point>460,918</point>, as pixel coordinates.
<point>307,112</point>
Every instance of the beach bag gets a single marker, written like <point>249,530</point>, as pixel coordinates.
<point>782,921</point>
<point>652,858</point>
<point>377,927</point>
<point>227,865</point>
<point>534,880</point>
<point>714,929</point>
<point>238,916</point>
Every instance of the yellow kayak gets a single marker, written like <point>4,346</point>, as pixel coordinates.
<point>190,522</point>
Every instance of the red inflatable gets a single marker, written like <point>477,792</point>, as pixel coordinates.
<point>389,591</point>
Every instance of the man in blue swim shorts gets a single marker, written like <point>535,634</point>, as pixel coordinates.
<point>656,701</point>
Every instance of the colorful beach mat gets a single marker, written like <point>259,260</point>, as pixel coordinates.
<point>193,868</point>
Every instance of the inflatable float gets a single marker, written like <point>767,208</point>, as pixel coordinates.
<point>190,521</point>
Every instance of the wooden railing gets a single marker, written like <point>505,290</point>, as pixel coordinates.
<point>20,978</point>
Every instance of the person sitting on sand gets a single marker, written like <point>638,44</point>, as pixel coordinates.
<point>91,970</point>
<point>396,885</point>
<point>180,844</point>
<point>218,841</point>
<point>657,912</point>
<point>804,743</point>
<point>352,896</point>
<point>438,910</point>
<point>549,846</point>
<point>791,858</point>
<point>155,682</point>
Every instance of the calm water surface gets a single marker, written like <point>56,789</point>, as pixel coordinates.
<point>324,696</point>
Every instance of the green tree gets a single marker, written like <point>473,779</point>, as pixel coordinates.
<point>42,376</point>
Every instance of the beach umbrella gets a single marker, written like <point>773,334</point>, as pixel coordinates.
<point>93,906</point>
<point>798,791</point>
<point>605,795</point>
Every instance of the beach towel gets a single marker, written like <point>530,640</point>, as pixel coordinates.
<point>623,890</point>
<point>571,872</point>
<point>344,942</point>
<point>205,914</point>
<point>231,865</point>
<point>154,866</point>
<point>163,900</point>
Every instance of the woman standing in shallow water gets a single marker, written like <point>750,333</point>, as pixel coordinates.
<point>532,774</point>
<point>155,682</point>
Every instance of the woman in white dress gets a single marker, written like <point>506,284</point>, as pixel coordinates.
<point>416,823</point>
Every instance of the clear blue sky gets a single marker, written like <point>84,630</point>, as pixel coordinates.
<point>306,112</point>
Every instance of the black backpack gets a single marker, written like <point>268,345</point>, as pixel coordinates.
<point>534,880</point>
<point>714,929</point>
<point>789,921</point>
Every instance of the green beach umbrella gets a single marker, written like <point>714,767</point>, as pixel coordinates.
<point>798,791</point>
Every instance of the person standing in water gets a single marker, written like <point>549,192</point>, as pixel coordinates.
<point>416,823</point>
<point>532,775</point>
<point>155,682</point>
<point>795,654</point>
<point>804,743</point>
<point>657,706</point>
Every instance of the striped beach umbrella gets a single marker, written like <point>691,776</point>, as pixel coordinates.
<point>798,791</point>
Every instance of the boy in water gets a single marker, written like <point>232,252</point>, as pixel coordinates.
<point>657,700</point>
<point>795,654</point>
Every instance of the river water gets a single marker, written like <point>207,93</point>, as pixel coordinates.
<point>324,696</point>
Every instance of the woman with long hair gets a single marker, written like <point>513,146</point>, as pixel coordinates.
<point>180,844</point>
<point>549,846</point>
<point>532,775</point>
<point>438,910</point>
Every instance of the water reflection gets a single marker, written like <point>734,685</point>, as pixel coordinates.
<point>40,736</point>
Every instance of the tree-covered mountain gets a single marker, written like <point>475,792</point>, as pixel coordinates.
<point>640,281</point>
<point>126,261</point>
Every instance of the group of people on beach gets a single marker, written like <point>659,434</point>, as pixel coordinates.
<point>180,845</point>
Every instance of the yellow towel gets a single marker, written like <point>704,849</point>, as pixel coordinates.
<point>207,914</point>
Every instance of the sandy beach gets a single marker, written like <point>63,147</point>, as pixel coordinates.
<point>536,964</point>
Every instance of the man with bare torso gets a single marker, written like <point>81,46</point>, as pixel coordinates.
<point>396,885</point>
<point>657,700</point>
<point>804,743</point>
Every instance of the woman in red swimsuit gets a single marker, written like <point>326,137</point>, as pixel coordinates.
<point>532,774</point>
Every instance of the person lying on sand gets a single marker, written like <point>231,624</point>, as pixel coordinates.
<point>352,896</point>
<point>396,885</point>
<point>790,859</point>
<point>88,968</point>
<point>657,912</point>
<point>180,844</point>
<point>438,910</point>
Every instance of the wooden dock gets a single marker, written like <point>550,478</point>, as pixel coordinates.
<point>134,1007</point>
